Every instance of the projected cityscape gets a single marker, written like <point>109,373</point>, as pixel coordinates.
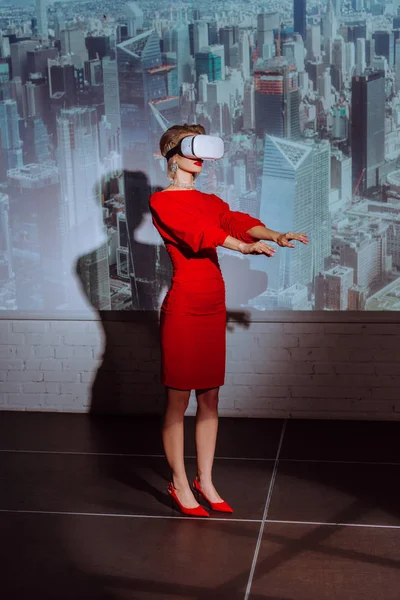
<point>305,94</point>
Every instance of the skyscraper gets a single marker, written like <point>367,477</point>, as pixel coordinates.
<point>314,43</point>
<point>360,56</point>
<point>248,105</point>
<point>337,7</point>
<point>287,204</point>
<point>78,148</point>
<point>330,23</point>
<point>37,59</point>
<point>244,55</point>
<point>277,99</point>
<point>397,60</point>
<point>140,80</point>
<point>226,39</point>
<point>37,97</point>
<point>111,95</point>
<point>181,45</point>
<point>350,52</point>
<point>73,43</point>
<point>321,231</point>
<point>6,270</point>
<point>98,46</point>
<point>134,17</point>
<point>367,127</point>
<point>338,62</point>
<point>123,247</point>
<point>384,45</point>
<point>300,18</point>
<point>34,192</point>
<point>208,64</point>
<point>36,148</point>
<point>200,35</point>
<point>266,23</point>
<point>19,58</point>
<point>9,129</point>
<point>81,217</point>
<point>41,15</point>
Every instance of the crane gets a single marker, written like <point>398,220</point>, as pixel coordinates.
<point>355,193</point>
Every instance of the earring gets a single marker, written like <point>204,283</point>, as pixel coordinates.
<point>173,170</point>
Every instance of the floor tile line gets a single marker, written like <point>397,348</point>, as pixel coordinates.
<point>225,520</point>
<point>131,455</point>
<point>332,524</point>
<point>122,515</point>
<point>190,456</point>
<point>341,462</point>
<point>265,514</point>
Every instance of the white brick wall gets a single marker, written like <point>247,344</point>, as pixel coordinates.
<point>303,370</point>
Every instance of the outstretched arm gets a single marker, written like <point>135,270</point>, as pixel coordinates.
<point>282,239</point>
<point>248,229</point>
<point>259,232</point>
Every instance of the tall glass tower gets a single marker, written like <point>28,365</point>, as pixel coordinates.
<point>139,83</point>
<point>181,45</point>
<point>300,18</point>
<point>277,99</point>
<point>111,95</point>
<point>81,214</point>
<point>321,231</point>
<point>367,127</point>
<point>41,15</point>
<point>9,133</point>
<point>287,205</point>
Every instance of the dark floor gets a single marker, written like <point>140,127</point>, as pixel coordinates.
<point>84,512</point>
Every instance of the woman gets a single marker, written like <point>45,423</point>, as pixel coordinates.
<point>193,314</point>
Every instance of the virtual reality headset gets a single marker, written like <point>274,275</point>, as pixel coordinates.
<point>205,147</point>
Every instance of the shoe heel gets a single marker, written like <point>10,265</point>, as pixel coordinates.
<point>196,494</point>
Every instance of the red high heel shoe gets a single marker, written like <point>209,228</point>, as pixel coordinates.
<point>198,511</point>
<point>218,506</point>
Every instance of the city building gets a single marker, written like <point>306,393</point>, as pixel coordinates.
<point>41,17</point>
<point>287,204</point>
<point>34,193</point>
<point>300,17</point>
<point>277,99</point>
<point>367,127</point>
<point>332,288</point>
<point>208,64</point>
<point>80,214</point>
<point>6,269</point>
<point>10,137</point>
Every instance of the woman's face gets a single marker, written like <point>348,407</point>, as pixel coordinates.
<point>190,165</point>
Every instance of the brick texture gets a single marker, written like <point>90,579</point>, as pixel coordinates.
<point>299,370</point>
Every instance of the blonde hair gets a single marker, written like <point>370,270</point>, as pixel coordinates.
<point>173,135</point>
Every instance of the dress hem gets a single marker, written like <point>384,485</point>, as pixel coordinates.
<point>187,388</point>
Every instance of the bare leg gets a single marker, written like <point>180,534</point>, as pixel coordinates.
<point>206,438</point>
<point>173,440</point>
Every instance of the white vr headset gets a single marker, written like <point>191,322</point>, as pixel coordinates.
<point>205,147</point>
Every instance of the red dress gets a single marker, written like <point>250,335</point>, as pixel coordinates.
<point>193,314</point>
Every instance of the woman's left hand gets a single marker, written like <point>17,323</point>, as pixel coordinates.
<point>283,239</point>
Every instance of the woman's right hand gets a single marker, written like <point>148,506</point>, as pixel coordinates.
<point>257,248</point>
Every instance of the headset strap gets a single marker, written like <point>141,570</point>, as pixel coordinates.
<point>173,151</point>
<point>177,149</point>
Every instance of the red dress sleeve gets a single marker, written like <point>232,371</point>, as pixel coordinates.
<point>237,223</point>
<point>178,222</point>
